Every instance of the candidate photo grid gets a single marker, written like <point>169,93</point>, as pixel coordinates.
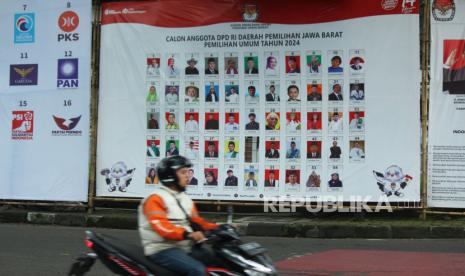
<point>221,103</point>
<point>154,148</point>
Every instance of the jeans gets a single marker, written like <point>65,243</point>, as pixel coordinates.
<point>177,260</point>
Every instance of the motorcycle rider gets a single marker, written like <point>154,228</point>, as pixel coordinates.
<point>168,220</point>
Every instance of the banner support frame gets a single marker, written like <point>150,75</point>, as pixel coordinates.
<point>424,110</point>
<point>421,205</point>
<point>95,60</point>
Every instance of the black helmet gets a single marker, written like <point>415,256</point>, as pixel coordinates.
<point>166,170</point>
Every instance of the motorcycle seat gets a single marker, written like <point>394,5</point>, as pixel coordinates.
<point>136,253</point>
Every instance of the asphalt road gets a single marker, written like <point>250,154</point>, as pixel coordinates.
<point>49,250</point>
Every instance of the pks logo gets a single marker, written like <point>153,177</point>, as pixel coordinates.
<point>68,23</point>
<point>68,73</point>
<point>22,125</point>
<point>250,13</point>
<point>443,10</point>
<point>23,74</point>
<point>66,126</point>
<point>24,28</point>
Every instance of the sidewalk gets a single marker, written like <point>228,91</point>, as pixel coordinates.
<point>261,225</point>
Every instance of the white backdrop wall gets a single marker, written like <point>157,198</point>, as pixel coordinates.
<point>44,99</point>
<point>446,148</point>
<point>134,128</point>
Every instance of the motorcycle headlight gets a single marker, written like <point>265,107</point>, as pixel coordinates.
<point>252,266</point>
<point>254,273</point>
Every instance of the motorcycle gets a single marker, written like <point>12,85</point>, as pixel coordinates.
<point>236,258</point>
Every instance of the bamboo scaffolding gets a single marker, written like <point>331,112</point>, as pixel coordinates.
<point>92,198</point>
<point>96,25</point>
<point>424,109</point>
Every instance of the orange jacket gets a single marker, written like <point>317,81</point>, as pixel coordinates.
<point>156,211</point>
<point>162,222</point>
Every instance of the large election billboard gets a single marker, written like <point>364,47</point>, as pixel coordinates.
<point>267,98</point>
<point>446,147</point>
<point>45,51</point>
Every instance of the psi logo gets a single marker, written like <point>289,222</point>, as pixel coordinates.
<point>22,125</point>
<point>67,76</point>
<point>68,23</point>
<point>24,28</point>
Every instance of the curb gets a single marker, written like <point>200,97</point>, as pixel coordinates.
<point>302,228</point>
<point>13,216</point>
<point>341,231</point>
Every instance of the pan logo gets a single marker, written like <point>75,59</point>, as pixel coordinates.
<point>24,28</point>
<point>68,22</point>
<point>68,73</point>
<point>66,126</point>
<point>22,125</point>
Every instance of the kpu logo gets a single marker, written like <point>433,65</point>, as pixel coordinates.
<point>66,126</point>
<point>443,10</point>
<point>250,13</point>
<point>24,28</point>
<point>23,74</point>
<point>22,125</point>
<point>68,22</point>
<point>68,73</point>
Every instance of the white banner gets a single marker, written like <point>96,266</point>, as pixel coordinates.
<point>446,147</point>
<point>263,104</point>
<point>44,99</point>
